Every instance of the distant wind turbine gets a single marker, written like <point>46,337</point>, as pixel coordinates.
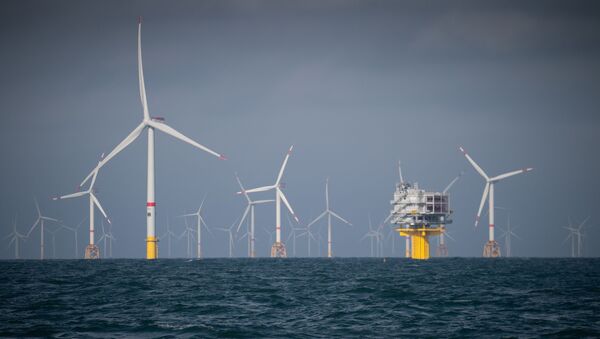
<point>200,222</point>
<point>328,213</point>
<point>250,208</point>
<point>40,221</point>
<point>491,248</point>
<point>15,237</point>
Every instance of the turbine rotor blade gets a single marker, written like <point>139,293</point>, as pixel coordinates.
<point>287,204</point>
<point>483,199</point>
<point>340,218</point>
<point>316,219</point>
<point>141,75</point>
<point>97,203</point>
<point>243,217</point>
<point>73,195</point>
<point>474,164</point>
<point>259,189</point>
<point>174,133</point>
<point>285,160</point>
<point>510,174</point>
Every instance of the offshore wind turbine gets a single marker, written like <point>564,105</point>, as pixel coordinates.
<point>442,250</point>
<point>15,237</point>
<point>198,215</point>
<point>491,248</point>
<point>507,236</point>
<point>189,233</point>
<point>169,235</point>
<point>278,248</point>
<point>107,236</point>
<point>40,221</point>
<point>250,208</point>
<point>295,233</point>
<point>150,124</point>
<point>309,235</point>
<point>373,235</point>
<point>75,231</point>
<point>91,251</point>
<point>230,233</point>
<point>329,213</point>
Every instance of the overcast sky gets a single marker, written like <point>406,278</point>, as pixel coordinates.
<point>354,85</point>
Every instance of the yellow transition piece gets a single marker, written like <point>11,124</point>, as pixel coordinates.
<point>419,240</point>
<point>151,248</point>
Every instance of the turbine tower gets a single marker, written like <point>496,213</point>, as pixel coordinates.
<point>250,208</point>
<point>442,250</point>
<point>278,248</point>
<point>40,221</point>
<point>170,235</point>
<point>151,124</point>
<point>15,237</point>
<point>75,231</point>
<point>200,222</point>
<point>329,213</point>
<point>230,234</point>
<point>491,248</point>
<point>91,251</point>
<point>507,237</point>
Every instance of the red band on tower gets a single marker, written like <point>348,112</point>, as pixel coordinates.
<point>150,204</point>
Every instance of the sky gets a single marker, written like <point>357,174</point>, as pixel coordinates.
<point>356,86</point>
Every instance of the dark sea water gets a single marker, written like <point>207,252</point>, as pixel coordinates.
<point>301,298</point>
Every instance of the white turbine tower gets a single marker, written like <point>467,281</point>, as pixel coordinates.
<point>442,250</point>
<point>230,234</point>
<point>329,213</point>
<point>75,231</point>
<point>250,208</point>
<point>151,124</point>
<point>508,234</point>
<point>91,251</point>
<point>278,248</point>
<point>107,236</point>
<point>40,221</point>
<point>491,248</point>
<point>309,235</point>
<point>373,235</point>
<point>15,237</point>
<point>169,235</point>
<point>576,237</point>
<point>200,222</point>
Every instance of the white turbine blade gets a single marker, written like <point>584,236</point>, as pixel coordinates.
<point>449,236</point>
<point>93,180</point>
<point>259,189</point>
<point>510,174</point>
<point>122,145</point>
<point>452,183</point>
<point>317,219</point>
<point>287,204</point>
<point>287,156</point>
<point>400,172</point>
<point>483,199</point>
<point>243,218</point>
<point>187,215</point>
<point>340,218</point>
<point>582,223</point>
<point>515,235</point>
<point>73,195</point>
<point>327,193</point>
<point>97,203</point>
<point>49,219</point>
<point>258,202</point>
<point>37,206</point>
<point>33,227</point>
<point>141,74</point>
<point>474,164</point>
<point>172,132</point>
<point>242,188</point>
<point>243,236</point>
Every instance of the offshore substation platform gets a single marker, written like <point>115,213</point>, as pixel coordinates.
<point>418,215</point>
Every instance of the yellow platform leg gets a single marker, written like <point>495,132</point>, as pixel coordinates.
<point>419,240</point>
<point>151,248</point>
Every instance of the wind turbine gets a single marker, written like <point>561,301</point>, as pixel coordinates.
<point>53,234</point>
<point>442,250</point>
<point>107,236</point>
<point>580,236</point>
<point>507,236</point>
<point>75,231</point>
<point>15,237</point>
<point>91,251</point>
<point>201,222</point>
<point>278,248</point>
<point>576,235</point>
<point>150,124</point>
<point>329,213</point>
<point>309,235</point>
<point>572,234</point>
<point>230,233</point>
<point>40,221</point>
<point>169,235</point>
<point>295,233</point>
<point>373,235</point>
<point>189,233</point>
<point>250,208</point>
<point>491,248</point>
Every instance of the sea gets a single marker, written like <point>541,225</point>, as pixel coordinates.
<point>301,298</point>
